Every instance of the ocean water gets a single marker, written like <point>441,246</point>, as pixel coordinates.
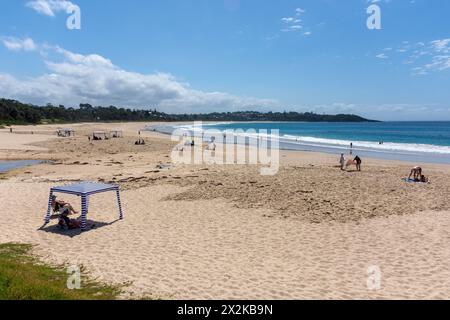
<point>410,141</point>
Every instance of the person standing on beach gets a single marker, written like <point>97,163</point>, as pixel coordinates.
<point>358,162</point>
<point>351,148</point>
<point>342,161</point>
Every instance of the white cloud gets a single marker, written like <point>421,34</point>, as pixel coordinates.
<point>290,20</point>
<point>50,7</point>
<point>438,54</point>
<point>441,45</point>
<point>16,44</point>
<point>433,56</point>
<point>299,11</point>
<point>292,28</point>
<point>378,1</point>
<point>294,23</point>
<point>382,56</point>
<point>75,78</point>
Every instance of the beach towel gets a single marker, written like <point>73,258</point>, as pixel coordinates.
<point>413,181</point>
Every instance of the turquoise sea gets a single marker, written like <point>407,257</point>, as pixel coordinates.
<point>411,141</point>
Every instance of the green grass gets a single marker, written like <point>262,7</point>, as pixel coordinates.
<point>23,277</point>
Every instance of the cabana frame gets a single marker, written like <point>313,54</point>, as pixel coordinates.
<point>100,134</point>
<point>84,190</point>
<point>116,134</point>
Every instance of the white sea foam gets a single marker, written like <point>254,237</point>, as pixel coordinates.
<point>391,147</point>
<point>386,146</point>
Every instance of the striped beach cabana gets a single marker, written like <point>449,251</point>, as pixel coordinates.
<point>84,190</point>
<point>100,135</point>
<point>116,133</point>
<point>66,132</point>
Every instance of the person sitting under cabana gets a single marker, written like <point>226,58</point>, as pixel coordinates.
<point>66,223</point>
<point>83,190</point>
<point>59,205</point>
<point>65,209</point>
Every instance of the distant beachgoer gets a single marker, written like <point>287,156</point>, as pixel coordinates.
<point>351,148</point>
<point>416,173</point>
<point>358,162</point>
<point>10,130</point>
<point>423,179</point>
<point>140,142</point>
<point>342,161</point>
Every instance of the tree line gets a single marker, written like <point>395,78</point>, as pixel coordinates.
<point>15,112</point>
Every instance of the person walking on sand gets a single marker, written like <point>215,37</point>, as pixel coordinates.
<point>342,161</point>
<point>358,162</point>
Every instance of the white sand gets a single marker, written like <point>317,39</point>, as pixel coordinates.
<point>210,249</point>
<point>21,141</point>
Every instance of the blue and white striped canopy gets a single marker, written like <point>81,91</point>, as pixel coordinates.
<point>85,188</point>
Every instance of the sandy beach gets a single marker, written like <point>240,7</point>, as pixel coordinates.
<point>311,231</point>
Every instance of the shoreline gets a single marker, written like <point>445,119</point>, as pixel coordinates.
<point>16,153</point>
<point>285,145</point>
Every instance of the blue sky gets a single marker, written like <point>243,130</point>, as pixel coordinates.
<point>228,55</point>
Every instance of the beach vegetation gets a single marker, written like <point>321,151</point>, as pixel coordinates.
<point>24,277</point>
<point>15,112</point>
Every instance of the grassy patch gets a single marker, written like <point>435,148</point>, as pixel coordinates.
<point>23,277</point>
